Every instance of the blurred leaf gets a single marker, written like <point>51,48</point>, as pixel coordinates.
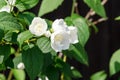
<point>1,59</point>
<point>44,44</point>
<point>8,22</point>
<point>5,51</point>
<point>9,62</point>
<point>2,67</point>
<point>48,6</point>
<point>17,60</point>
<point>76,73</point>
<point>2,3</point>
<point>33,60</point>
<point>52,73</point>
<point>1,34</point>
<point>64,67</point>
<point>2,77</point>
<point>83,30</point>
<point>18,74</point>
<point>78,52</point>
<point>96,6</point>
<point>10,36</point>
<point>25,4</point>
<point>115,63</point>
<point>26,35</point>
<point>26,17</point>
<point>101,75</point>
<point>117,18</point>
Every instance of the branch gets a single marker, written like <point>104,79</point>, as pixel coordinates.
<point>91,12</point>
<point>99,20</point>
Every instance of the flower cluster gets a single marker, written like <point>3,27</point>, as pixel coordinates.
<point>9,6</point>
<point>61,36</point>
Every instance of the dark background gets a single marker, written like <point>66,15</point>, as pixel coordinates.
<point>100,46</point>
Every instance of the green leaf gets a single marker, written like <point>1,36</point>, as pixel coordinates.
<point>44,44</point>
<point>26,35</point>
<point>76,73</point>
<point>18,74</point>
<point>101,75</point>
<point>96,6</point>
<point>33,60</point>
<point>63,67</point>
<point>48,6</point>
<point>83,30</point>
<point>117,18</point>
<point>1,34</point>
<point>2,3</point>
<point>2,77</point>
<point>17,60</point>
<point>1,59</point>
<point>115,63</point>
<point>11,36</point>
<point>26,4</point>
<point>2,67</point>
<point>5,51</point>
<point>78,52</point>
<point>8,22</point>
<point>52,73</point>
<point>26,17</point>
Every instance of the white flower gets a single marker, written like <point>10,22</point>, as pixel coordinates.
<point>59,24</point>
<point>73,34</point>
<point>48,34</point>
<point>21,65</point>
<point>60,40</point>
<point>11,2</point>
<point>5,8</point>
<point>38,26</point>
<point>46,78</point>
<point>9,6</point>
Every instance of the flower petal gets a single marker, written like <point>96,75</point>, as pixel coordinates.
<point>60,41</point>
<point>73,34</point>
<point>59,24</point>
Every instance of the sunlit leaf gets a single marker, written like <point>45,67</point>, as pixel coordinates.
<point>48,6</point>
<point>18,74</point>
<point>115,62</point>
<point>44,44</point>
<point>25,4</point>
<point>26,35</point>
<point>96,6</point>
<point>101,75</point>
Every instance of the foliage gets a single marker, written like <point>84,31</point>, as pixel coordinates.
<point>32,41</point>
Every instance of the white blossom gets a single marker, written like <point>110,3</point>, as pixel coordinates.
<point>21,65</point>
<point>11,2</point>
<point>60,40</point>
<point>38,26</point>
<point>9,6</point>
<point>73,34</point>
<point>46,78</point>
<point>59,24</point>
<point>48,34</point>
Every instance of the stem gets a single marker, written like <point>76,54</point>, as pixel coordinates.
<point>10,75</point>
<point>73,7</point>
<point>64,59</point>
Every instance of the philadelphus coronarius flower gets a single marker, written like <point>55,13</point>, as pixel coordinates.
<point>38,26</point>
<point>60,40</point>
<point>63,35</point>
<point>9,6</point>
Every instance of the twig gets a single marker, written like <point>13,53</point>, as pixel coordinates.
<point>91,12</point>
<point>10,75</point>
<point>99,20</point>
